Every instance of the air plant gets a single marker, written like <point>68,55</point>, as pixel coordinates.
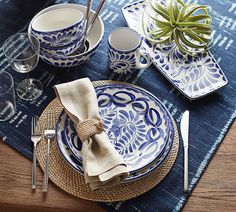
<point>186,25</point>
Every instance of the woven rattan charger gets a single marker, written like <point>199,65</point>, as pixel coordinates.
<point>69,180</point>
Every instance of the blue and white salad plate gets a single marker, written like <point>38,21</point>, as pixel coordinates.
<point>137,124</point>
<point>194,76</point>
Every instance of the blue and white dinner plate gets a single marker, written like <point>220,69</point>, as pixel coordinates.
<point>194,76</point>
<point>136,123</point>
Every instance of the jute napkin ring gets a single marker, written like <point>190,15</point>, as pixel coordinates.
<point>72,182</point>
<point>88,128</point>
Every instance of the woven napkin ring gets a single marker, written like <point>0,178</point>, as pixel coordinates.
<point>88,128</point>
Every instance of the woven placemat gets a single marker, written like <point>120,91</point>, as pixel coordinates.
<point>69,180</point>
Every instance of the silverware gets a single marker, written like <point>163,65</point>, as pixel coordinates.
<point>35,138</point>
<point>184,128</point>
<point>87,16</point>
<point>89,24</point>
<point>49,133</point>
<point>94,18</point>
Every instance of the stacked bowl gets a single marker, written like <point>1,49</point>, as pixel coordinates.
<point>60,31</point>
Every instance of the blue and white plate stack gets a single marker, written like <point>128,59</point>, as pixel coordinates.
<point>137,123</point>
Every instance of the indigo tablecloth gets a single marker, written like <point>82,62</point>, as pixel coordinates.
<point>210,117</point>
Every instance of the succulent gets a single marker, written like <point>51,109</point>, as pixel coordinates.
<point>187,25</point>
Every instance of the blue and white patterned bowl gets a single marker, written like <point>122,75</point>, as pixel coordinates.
<point>62,50</point>
<point>59,28</point>
<point>94,39</point>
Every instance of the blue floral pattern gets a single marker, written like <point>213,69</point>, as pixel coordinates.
<point>62,145</point>
<point>122,62</point>
<point>61,38</point>
<point>136,123</point>
<point>194,76</point>
<point>69,61</point>
<point>63,50</point>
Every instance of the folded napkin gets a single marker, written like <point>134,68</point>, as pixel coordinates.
<point>103,166</point>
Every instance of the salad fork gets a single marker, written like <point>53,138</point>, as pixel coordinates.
<point>35,138</point>
<point>49,134</point>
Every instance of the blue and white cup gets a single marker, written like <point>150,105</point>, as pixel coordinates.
<point>124,51</point>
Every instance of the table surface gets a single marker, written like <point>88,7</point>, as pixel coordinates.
<point>216,190</point>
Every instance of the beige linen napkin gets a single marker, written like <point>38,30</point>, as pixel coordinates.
<point>103,166</point>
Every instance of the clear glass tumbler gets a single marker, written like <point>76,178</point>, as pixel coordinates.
<point>7,96</point>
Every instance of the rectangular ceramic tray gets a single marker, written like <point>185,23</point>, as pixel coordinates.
<point>195,77</point>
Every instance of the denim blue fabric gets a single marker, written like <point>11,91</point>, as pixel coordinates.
<point>210,117</point>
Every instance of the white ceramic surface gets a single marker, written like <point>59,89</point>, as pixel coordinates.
<point>59,30</point>
<point>124,39</point>
<point>57,19</point>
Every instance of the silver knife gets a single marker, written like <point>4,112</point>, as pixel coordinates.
<point>184,128</point>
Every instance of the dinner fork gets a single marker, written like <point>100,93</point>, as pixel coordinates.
<point>49,133</point>
<point>35,138</point>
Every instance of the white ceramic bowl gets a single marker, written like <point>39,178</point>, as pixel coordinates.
<point>94,39</point>
<point>59,27</point>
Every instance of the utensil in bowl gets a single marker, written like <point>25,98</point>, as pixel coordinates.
<point>88,10</point>
<point>82,48</point>
<point>87,17</point>
<point>94,40</point>
<point>59,28</point>
<point>99,8</point>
